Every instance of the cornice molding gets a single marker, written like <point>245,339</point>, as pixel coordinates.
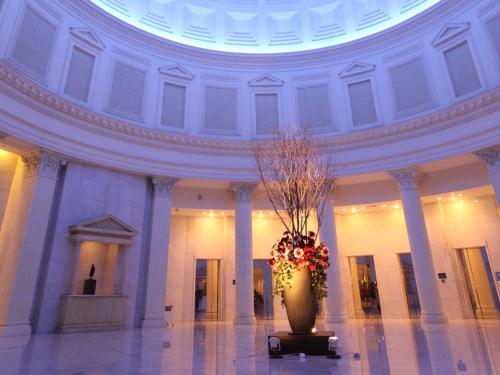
<point>438,120</point>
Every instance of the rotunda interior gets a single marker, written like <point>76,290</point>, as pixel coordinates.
<point>135,232</point>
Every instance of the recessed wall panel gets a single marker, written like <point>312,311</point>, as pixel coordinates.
<point>79,75</point>
<point>314,107</point>
<point>173,106</point>
<point>266,113</point>
<point>34,43</point>
<point>410,85</point>
<point>494,29</point>
<point>220,109</point>
<point>127,90</point>
<point>462,70</point>
<point>362,103</point>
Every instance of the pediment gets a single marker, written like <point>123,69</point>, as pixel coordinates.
<point>356,68</point>
<point>87,35</point>
<point>265,80</point>
<point>177,71</point>
<point>106,229</point>
<point>450,31</point>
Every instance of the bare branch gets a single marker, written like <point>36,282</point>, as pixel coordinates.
<point>297,177</point>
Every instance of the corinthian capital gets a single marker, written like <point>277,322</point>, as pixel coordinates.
<point>491,157</point>
<point>163,185</point>
<point>243,191</point>
<point>408,178</point>
<point>41,163</point>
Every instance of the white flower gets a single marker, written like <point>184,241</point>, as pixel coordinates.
<point>298,252</point>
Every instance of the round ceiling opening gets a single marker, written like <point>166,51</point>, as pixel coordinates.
<point>263,26</point>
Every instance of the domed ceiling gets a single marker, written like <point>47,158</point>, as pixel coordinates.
<point>263,26</point>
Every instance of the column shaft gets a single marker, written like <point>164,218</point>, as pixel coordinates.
<point>244,259</point>
<point>425,274</point>
<point>23,239</point>
<point>335,302</point>
<point>154,312</point>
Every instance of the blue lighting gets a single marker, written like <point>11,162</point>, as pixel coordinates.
<point>261,28</point>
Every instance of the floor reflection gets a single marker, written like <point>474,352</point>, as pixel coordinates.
<point>384,347</point>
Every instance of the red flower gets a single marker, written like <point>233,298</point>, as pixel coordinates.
<point>312,267</point>
<point>271,262</point>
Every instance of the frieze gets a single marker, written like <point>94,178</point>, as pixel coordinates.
<point>439,119</point>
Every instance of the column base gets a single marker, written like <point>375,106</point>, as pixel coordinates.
<point>245,320</point>
<point>433,318</point>
<point>336,318</point>
<point>154,323</point>
<point>14,335</point>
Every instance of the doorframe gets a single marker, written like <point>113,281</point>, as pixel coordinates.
<point>464,288</point>
<point>220,289</point>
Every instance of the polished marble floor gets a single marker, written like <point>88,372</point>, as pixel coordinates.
<point>385,347</point>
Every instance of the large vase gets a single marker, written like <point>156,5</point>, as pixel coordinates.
<point>300,303</point>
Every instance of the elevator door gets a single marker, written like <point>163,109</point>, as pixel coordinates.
<point>206,294</point>
<point>480,282</point>
<point>410,285</point>
<point>365,287</point>
<point>262,289</point>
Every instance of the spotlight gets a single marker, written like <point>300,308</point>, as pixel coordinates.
<point>275,347</point>
<point>332,347</point>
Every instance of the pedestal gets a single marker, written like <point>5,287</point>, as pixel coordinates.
<point>314,344</point>
<point>89,287</point>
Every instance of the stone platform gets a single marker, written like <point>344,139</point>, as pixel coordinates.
<point>312,344</point>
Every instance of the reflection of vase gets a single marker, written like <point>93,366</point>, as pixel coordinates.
<point>300,303</point>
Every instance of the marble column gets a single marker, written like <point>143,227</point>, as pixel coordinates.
<point>22,238</point>
<point>491,157</point>
<point>425,275</point>
<point>336,311</point>
<point>154,312</point>
<point>244,260</point>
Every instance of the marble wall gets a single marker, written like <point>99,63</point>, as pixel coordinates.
<point>88,193</point>
<point>451,225</point>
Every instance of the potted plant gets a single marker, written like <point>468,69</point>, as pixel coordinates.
<point>298,180</point>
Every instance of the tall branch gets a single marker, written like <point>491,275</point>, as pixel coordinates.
<point>297,177</point>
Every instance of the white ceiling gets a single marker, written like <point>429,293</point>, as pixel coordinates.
<point>263,26</point>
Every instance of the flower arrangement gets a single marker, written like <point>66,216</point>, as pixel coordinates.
<point>299,252</point>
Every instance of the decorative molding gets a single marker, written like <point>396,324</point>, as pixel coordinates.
<point>123,31</point>
<point>163,185</point>
<point>491,157</point>
<point>441,119</point>
<point>131,57</point>
<point>243,191</point>
<point>450,31</point>
<point>356,68</point>
<point>220,78</point>
<point>42,164</point>
<point>50,10</point>
<point>88,36</point>
<point>265,80</point>
<point>177,71</point>
<point>106,229</point>
<point>408,178</point>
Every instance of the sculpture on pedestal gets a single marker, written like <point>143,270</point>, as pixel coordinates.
<point>90,284</point>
